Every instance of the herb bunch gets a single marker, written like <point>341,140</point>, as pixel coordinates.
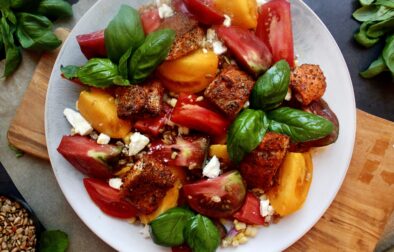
<point>27,24</point>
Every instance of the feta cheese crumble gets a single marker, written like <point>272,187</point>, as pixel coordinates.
<point>115,183</point>
<point>261,2</point>
<point>145,232</point>
<point>80,125</point>
<point>246,105</point>
<point>266,210</point>
<point>288,95</point>
<point>137,143</point>
<point>212,169</point>
<point>227,21</point>
<point>217,45</point>
<point>165,11</point>
<point>103,139</point>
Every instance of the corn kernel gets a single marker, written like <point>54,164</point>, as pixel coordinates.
<point>235,243</point>
<point>243,240</point>
<point>240,226</point>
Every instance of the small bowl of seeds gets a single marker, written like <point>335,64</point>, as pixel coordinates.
<point>19,226</point>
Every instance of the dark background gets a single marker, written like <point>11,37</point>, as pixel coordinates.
<point>376,95</point>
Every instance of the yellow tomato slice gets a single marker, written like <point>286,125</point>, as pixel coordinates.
<point>99,109</point>
<point>220,151</point>
<point>295,176</point>
<point>243,13</point>
<point>191,73</point>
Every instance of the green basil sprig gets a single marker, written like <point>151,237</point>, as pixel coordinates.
<point>150,54</point>
<point>96,72</point>
<point>167,229</point>
<point>13,53</point>
<point>202,235</point>
<point>179,225</point>
<point>123,32</point>
<point>35,32</point>
<point>271,88</point>
<point>55,8</point>
<point>301,126</point>
<point>246,133</point>
<point>53,241</point>
<point>124,63</point>
<point>388,53</point>
<point>378,66</point>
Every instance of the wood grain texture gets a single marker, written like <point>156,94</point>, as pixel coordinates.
<point>353,222</point>
<point>27,130</point>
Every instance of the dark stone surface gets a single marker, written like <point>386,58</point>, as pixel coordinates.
<point>375,96</point>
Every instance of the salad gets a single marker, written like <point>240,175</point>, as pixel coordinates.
<point>196,120</point>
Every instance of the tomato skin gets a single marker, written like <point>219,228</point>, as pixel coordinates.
<point>250,211</point>
<point>154,125</point>
<point>150,20</point>
<point>181,248</point>
<point>93,44</point>
<point>204,12</point>
<point>274,28</point>
<point>196,115</point>
<point>180,6</point>
<point>87,156</point>
<point>108,199</point>
<point>247,48</point>
<point>228,188</point>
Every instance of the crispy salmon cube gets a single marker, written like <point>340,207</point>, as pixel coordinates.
<point>230,90</point>
<point>146,184</point>
<point>186,44</point>
<point>140,100</point>
<point>260,166</point>
<point>308,83</point>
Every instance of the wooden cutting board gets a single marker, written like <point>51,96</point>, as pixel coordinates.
<point>353,222</point>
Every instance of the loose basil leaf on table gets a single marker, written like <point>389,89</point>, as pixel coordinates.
<point>55,8</point>
<point>53,241</point>
<point>96,72</point>
<point>376,67</point>
<point>299,125</point>
<point>387,3</point>
<point>362,38</point>
<point>366,2</point>
<point>123,31</point>
<point>270,89</point>
<point>35,32</point>
<point>202,235</point>
<point>246,133</point>
<point>379,29</point>
<point>388,53</point>
<point>123,63</point>
<point>373,13</point>
<point>167,229</point>
<point>150,54</point>
<point>13,53</point>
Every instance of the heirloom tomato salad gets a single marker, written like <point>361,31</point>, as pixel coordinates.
<point>196,121</point>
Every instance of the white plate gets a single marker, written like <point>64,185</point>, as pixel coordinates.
<point>313,43</point>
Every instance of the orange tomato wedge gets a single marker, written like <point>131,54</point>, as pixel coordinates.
<point>243,13</point>
<point>295,177</point>
<point>190,74</point>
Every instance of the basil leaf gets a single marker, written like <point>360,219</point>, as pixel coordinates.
<point>35,32</point>
<point>379,29</point>
<point>70,72</point>
<point>246,133</point>
<point>299,125</point>
<point>16,4</point>
<point>5,5</point>
<point>366,2</point>
<point>167,229</point>
<point>376,67</point>
<point>2,49</point>
<point>150,54</point>
<point>202,235</point>
<point>55,8</point>
<point>373,13</point>
<point>270,89</point>
<point>362,38</point>
<point>53,241</point>
<point>388,53</point>
<point>123,63</point>
<point>120,81</point>
<point>13,53</point>
<point>123,32</point>
<point>387,3</point>
<point>98,73</point>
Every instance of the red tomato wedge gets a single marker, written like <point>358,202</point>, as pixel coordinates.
<point>191,151</point>
<point>108,199</point>
<point>197,115</point>
<point>93,44</point>
<point>87,156</point>
<point>274,28</point>
<point>250,211</point>
<point>246,47</point>
<point>219,197</point>
<point>180,6</point>
<point>204,12</point>
<point>150,19</point>
<point>154,125</point>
